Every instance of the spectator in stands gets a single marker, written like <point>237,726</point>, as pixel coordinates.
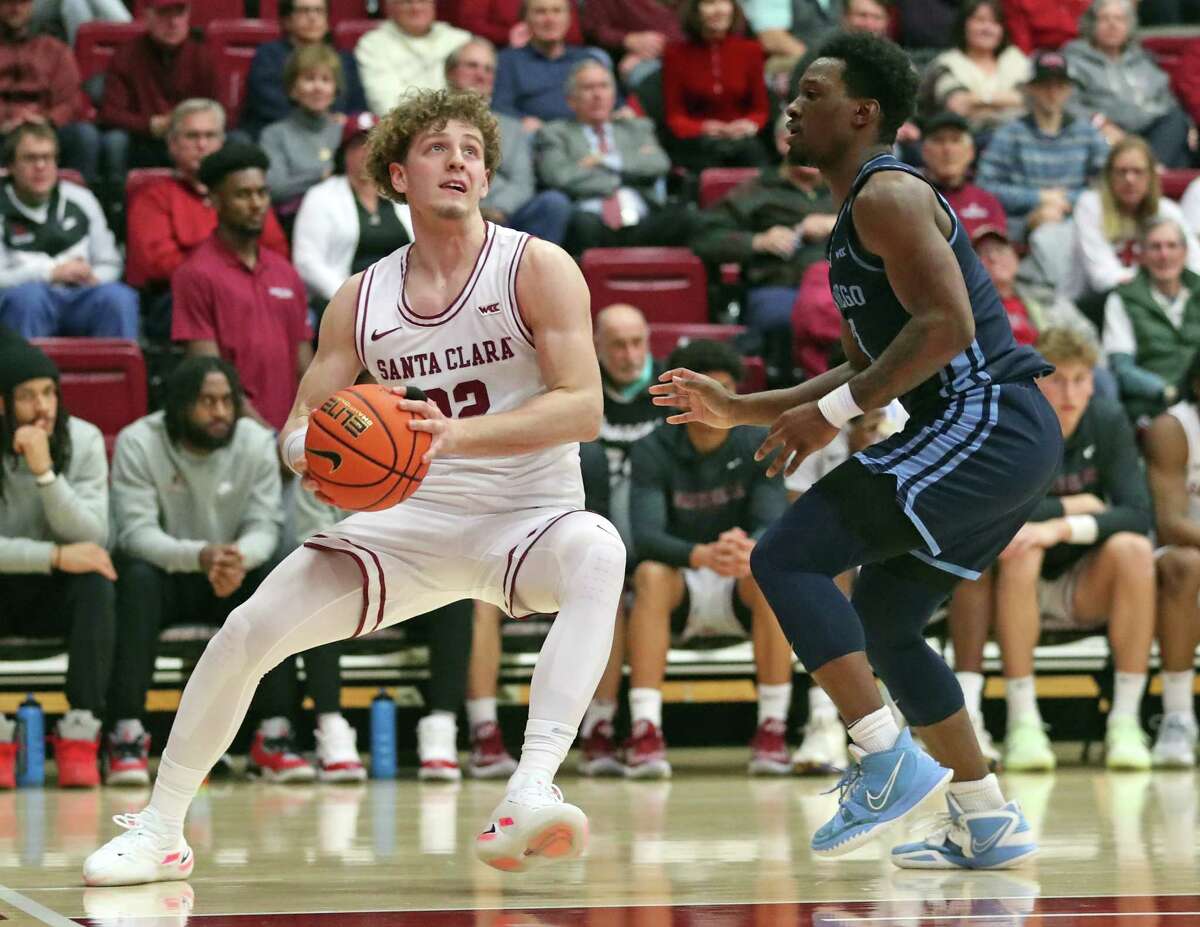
<point>1038,165</point>
<point>59,265</point>
<point>855,15</point>
<point>531,80</point>
<point>305,23</point>
<point>713,89</point>
<point>238,300</point>
<point>199,508</point>
<point>148,77</point>
<point>1110,219</point>
<point>1034,24</point>
<point>1082,561</point>
<point>1120,86</point>
<point>39,82</point>
<point>301,147</point>
<point>614,171</point>
<point>775,226</point>
<point>1172,445</point>
<point>982,76</point>
<point>169,218</point>
<point>1191,206</point>
<point>699,502</point>
<point>513,198</point>
<point>408,51</point>
<point>56,578</point>
<point>633,32</point>
<point>344,225</point>
<point>926,26</point>
<point>502,22</point>
<point>1029,311</point>
<point>490,758</point>
<point>69,15</point>
<point>947,152</point>
<point>1185,80</point>
<point>1152,323</point>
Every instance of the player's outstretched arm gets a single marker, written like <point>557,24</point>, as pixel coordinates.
<point>898,218</point>
<point>555,303</point>
<point>335,365</point>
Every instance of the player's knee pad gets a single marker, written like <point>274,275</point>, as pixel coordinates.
<point>580,554</point>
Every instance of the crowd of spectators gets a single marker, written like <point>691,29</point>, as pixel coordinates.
<point>1046,126</point>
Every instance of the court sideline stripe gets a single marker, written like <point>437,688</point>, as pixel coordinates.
<point>33,909</point>
<point>956,918</point>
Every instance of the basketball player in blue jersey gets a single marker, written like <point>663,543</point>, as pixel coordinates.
<point>919,511</point>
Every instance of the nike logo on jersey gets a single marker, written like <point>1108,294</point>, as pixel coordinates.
<point>979,847</point>
<point>879,801</point>
<point>489,309</point>
<point>377,334</point>
<point>734,464</point>
<point>334,458</point>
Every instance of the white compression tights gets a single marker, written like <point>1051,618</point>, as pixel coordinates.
<point>314,598</point>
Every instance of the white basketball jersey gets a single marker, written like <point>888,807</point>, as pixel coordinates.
<point>1187,416</point>
<point>475,357</point>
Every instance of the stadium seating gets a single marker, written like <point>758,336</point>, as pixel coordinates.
<point>103,380</point>
<point>665,337</point>
<point>232,43</point>
<point>347,32</point>
<point>716,182</point>
<point>1168,50</point>
<point>667,284</point>
<point>204,13</point>
<point>342,10</point>
<point>96,43</point>
<point>1175,182</point>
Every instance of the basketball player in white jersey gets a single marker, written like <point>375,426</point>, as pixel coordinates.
<point>1173,467</point>
<point>495,328</point>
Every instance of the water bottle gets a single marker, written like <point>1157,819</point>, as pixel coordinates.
<point>31,743</point>
<point>383,736</point>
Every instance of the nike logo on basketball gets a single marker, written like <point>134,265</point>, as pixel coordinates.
<point>979,847</point>
<point>879,801</point>
<point>489,309</point>
<point>377,334</point>
<point>334,458</point>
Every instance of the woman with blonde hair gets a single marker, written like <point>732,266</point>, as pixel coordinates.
<point>1110,217</point>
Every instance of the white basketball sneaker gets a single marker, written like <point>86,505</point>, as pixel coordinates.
<point>337,753</point>
<point>532,825</point>
<point>144,853</point>
<point>437,749</point>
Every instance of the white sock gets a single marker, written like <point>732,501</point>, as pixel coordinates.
<point>1127,695</point>
<point>545,748</point>
<point>1177,693</point>
<point>129,729</point>
<point>980,795</point>
<point>1020,693</point>
<point>877,731</point>
<point>820,705</point>
<point>481,711</point>
<point>598,710</point>
<point>646,705</point>
<point>972,690</point>
<point>774,702</point>
<point>174,788</point>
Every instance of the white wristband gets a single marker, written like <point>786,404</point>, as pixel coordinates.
<point>45,479</point>
<point>839,406</point>
<point>293,448</point>
<point>1083,529</point>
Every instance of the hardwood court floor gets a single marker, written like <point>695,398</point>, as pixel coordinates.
<point>711,847</point>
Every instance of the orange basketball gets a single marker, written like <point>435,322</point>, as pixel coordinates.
<point>360,449</point>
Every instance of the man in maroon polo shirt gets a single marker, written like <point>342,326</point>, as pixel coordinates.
<point>238,300</point>
<point>947,151</point>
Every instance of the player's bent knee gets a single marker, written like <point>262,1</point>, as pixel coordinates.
<point>650,577</point>
<point>1178,569</point>
<point>1132,552</point>
<point>582,554</point>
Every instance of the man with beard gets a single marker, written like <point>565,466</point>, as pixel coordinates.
<point>933,504</point>
<point>196,490</point>
<point>237,300</point>
<point>55,575</point>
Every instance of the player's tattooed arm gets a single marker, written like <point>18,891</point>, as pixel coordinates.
<point>898,218</point>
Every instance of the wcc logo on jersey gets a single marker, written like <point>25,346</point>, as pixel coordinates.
<point>489,309</point>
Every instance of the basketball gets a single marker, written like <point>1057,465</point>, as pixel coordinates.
<point>360,449</point>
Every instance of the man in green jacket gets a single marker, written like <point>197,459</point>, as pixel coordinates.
<point>1152,323</point>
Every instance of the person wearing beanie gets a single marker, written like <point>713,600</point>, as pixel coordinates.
<point>56,578</point>
<point>237,300</point>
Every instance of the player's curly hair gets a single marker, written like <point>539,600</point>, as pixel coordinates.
<point>425,111</point>
<point>876,69</point>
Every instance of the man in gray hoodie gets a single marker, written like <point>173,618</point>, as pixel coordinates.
<point>198,502</point>
<point>55,576</point>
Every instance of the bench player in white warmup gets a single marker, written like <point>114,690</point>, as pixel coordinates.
<point>495,328</point>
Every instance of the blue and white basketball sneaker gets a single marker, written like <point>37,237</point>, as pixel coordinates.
<point>998,839</point>
<point>877,792</point>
